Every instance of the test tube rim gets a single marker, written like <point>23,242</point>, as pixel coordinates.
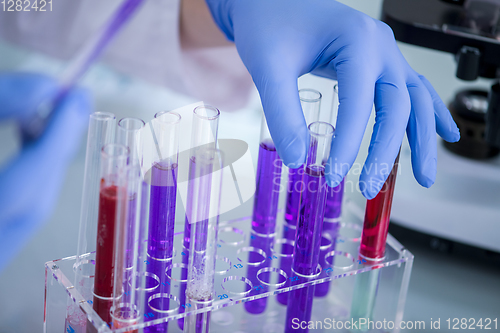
<point>122,154</point>
<point>161,113</point>
<point>309,99</point>
<point>321,123</point>
<point>209,107</point>
<point>99,115</point>
<point>135,119</point>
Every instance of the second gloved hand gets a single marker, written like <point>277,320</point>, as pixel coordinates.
<point>30,182</point>
<point>280,40</point>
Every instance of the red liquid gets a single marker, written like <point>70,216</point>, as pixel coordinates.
<point>105,256</point>
<point>377,217</point>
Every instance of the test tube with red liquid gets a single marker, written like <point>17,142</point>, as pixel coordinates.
<point>372,248</point>
<point>101,132</point>
<point>113,188</point>
<point>306,252</point>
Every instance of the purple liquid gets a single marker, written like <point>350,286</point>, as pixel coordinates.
<point>293,198</point>
<point>157,268</point>
<point>333,208</point>
<point>161,234</point>
<point>182,286</point>
<point>307,244</point>
<point>264,216</point>
<point>259,305</point>
<point>331,225</point>
<point>286,259</point>
<point>162,211</point>
<point>267,190</point>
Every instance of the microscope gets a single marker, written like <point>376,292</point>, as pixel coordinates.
<point>463,206</point>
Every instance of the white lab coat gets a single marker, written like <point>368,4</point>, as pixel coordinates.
<point>148,47</point>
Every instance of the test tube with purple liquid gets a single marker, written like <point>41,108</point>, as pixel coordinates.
<point>265,210</point>
<point>306,252</point>
<point>163,194</point>
<point>310,101</point>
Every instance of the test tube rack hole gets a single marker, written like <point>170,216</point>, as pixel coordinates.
<point>233,284</point>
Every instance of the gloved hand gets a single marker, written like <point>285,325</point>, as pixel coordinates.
<point>280,40</point>
<point>30,182</point>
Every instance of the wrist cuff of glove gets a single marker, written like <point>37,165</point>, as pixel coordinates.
<point>221,13</point>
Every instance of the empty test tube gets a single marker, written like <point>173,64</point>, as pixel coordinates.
<point>203,214</point>
<point>113,188</point>
<point>372,248</point>
<point>309,225</point>
<point>310,101</point>
<point>204,134</point>
<point>127,300</point>
<point>265,209</point>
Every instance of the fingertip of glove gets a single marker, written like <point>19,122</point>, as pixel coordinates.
<point>294,154</point>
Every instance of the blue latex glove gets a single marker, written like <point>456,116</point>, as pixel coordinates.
<point>31,180</point>
<point>280,40</point>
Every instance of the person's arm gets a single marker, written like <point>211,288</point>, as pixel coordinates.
<point>197,27</point>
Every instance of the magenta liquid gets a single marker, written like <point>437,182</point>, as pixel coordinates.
<point>307,245</point>
<point>161,234</point>
<point>331,225</point>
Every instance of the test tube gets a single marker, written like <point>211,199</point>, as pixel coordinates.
<point>333,211</point>
<point>372,248</point>
<point>101,132</point>
<point>162,212</point>
<point>204,134</point>
<point>127,134</point>
<point>205,184</point>
<point>113,188</point>
<point>310,223</point>
<point>310,101</point>
<point>265,209</point>
<point>127,302</point>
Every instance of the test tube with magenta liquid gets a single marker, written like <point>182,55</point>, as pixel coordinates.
<point>305,263</point>
<point>372,248</point>
<point>264,211</point>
